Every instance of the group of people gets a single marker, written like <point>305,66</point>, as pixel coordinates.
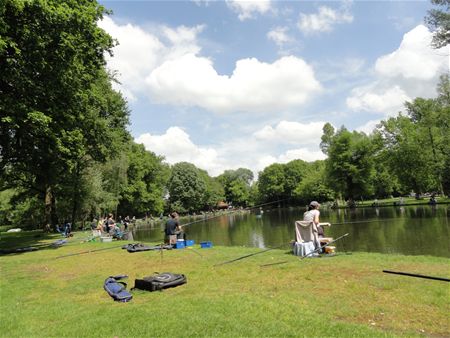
<point>309,231</point>
<point>108,225</point>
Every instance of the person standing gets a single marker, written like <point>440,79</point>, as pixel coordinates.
<point>171,229</point>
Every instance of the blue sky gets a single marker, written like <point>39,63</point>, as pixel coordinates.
<point>229,84</point>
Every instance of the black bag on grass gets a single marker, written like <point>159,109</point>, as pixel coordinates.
<point>160,281</point>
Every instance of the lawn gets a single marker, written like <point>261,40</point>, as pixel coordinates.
<point>341,296</point>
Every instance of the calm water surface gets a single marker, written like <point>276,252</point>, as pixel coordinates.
<point>410,230</point>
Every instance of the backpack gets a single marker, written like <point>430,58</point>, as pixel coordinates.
<point>117,290</point>
<point>160,281</point>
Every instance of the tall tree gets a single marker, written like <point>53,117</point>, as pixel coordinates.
<point>147,176</point>
<point>187,188</point>
<point>350,166</point>
<point>236,184</point>
<point>438,20</point>
<point>271,182</point>
<point>54,114</point>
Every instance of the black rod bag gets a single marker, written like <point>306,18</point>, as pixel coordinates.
<point>160,281</point>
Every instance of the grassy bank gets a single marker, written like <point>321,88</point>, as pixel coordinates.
<point>341,296</point>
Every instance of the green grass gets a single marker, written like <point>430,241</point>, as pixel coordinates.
<point>341,296</point>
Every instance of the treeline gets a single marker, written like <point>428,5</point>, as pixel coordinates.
<point>66,153</point>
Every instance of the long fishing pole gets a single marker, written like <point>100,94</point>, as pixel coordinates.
<point>88,251</point>
<point>373,220</point>
<point>246,256</point>
<point>417,275</point>
<point>323,246</point>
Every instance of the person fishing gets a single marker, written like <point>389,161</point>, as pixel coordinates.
<point>309,231</point>
<point>313,215</point>
<point>173,228</point>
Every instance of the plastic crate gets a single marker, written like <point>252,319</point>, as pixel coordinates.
<point>180,245</point>
<point>189,242</point>
<point>204,245</point>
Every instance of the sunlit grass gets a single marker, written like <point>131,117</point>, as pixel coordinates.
<point>341,296</point>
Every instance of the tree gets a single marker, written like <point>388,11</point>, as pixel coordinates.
<point>214,191</point>
<point>313,185</point>
<point>271,182</point>
<point>438,20</point>
<point>407,159</point>
<point>57,105</point>
<point>147,176</point>
<point>350,166</point>
<point>294,172</point>
<point>186,188</point>
<point>236,184</point>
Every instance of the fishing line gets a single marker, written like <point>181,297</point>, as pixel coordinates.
<point>373,220</point>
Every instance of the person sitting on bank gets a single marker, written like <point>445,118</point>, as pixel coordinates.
<point>313,215</point>
<point>309,231</point>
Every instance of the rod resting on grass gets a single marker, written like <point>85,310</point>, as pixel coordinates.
<point>416,275</point>
<point>256,253</point>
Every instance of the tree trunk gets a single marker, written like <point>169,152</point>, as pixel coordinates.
<point>48,199</point>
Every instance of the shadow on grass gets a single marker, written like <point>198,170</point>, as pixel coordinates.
<point>26,241</point>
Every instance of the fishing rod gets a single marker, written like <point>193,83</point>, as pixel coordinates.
<point>417,275</point>
<point>230,212</point>
<point>246,256</point>
<point>323,246</point>
<point>373,220</point>
<point>88,251</point>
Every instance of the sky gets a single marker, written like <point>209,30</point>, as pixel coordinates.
<point>244,84</point>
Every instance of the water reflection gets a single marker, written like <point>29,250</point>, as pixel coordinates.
<point>412,230</point>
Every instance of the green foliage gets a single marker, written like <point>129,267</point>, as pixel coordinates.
<point>186,188</point>
<point>314,185</point>
<point>59,112</point>
<point>438,20</point>
<point>271,182</point>
<point>214,191</point>
<point>350,166</point>
<point>236,185</point>
<point>146,180</point>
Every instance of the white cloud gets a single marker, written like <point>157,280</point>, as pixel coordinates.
<point>292,133</point>
<point>279,36</point>
<point>389,100</point>
<point>166,66</point>
<point>254,86</point>
<point>324,20</point>
<point>410,71</point>
<point>137,54</point>
<point>176,146</point>
<point>368,127</point>
<point>414,59</point>
<point>247,8</point>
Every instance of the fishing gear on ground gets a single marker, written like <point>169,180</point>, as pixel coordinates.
<point>160,281</point>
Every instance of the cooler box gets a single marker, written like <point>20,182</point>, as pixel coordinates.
<point>189,242</point>
<point>180,244</point>
<point>204,245</point>
<point>106,239</point>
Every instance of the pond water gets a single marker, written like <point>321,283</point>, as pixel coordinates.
<point>409,230</point>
